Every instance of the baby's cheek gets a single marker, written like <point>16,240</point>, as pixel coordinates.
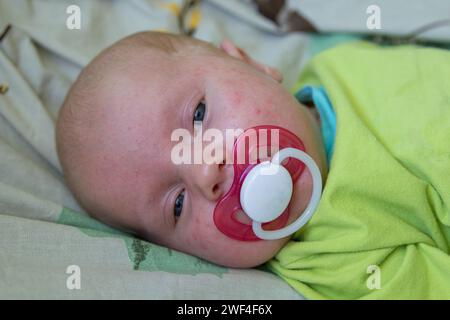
<point>236,99</point>
<point>198,236</point>
<point>209,243</point>
<point>266,110</point>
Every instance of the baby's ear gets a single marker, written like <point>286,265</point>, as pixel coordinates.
<point>238,53</point>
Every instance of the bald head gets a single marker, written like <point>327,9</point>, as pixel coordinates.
<point>115,138</point>
<point>85,134</point>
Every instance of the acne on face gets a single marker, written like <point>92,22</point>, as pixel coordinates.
<point>236,97</point>
<point>240,98</point>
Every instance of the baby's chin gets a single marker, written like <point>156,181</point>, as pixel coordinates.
<point>246,254</point>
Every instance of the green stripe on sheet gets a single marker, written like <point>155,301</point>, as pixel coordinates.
<point>144,256</point>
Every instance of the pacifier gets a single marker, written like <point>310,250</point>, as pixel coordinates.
<point>267,161</point>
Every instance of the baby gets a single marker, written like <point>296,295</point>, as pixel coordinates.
<point>114,140</point>
<point>382,226</point>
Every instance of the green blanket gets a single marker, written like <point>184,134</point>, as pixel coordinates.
<point>382,228</point>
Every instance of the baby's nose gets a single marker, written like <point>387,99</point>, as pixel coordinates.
<point>213,180</point>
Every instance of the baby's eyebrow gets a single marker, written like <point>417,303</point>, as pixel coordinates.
<point>151,204</point>
<point>165,208</point>
<point>160,200</point>
<point>150,216</point>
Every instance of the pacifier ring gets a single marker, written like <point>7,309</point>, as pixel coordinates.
<point>312,205</point>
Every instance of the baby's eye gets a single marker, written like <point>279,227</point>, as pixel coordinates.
<point>199,112</point>
<point>178,207</point>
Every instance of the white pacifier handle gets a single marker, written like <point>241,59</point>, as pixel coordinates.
<point>314,201</point>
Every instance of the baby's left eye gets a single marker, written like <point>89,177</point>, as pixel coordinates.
<point>199,112</point>
<point>178,207</point>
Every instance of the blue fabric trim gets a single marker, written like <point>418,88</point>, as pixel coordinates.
<point>319,97</point>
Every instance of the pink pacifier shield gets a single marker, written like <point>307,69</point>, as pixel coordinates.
<point>253,146</point>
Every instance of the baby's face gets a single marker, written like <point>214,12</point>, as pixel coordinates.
<point>134,172</point>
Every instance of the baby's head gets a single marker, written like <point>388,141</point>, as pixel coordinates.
<point>114,139</point>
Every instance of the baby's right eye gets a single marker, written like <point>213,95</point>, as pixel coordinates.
<point>178,207</point>
<point>199,112</point>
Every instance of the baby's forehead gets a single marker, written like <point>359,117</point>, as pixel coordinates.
<point>147,96</point>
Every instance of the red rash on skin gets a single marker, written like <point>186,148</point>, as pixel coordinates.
<point>237,96</point>
<point>236,99</point>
